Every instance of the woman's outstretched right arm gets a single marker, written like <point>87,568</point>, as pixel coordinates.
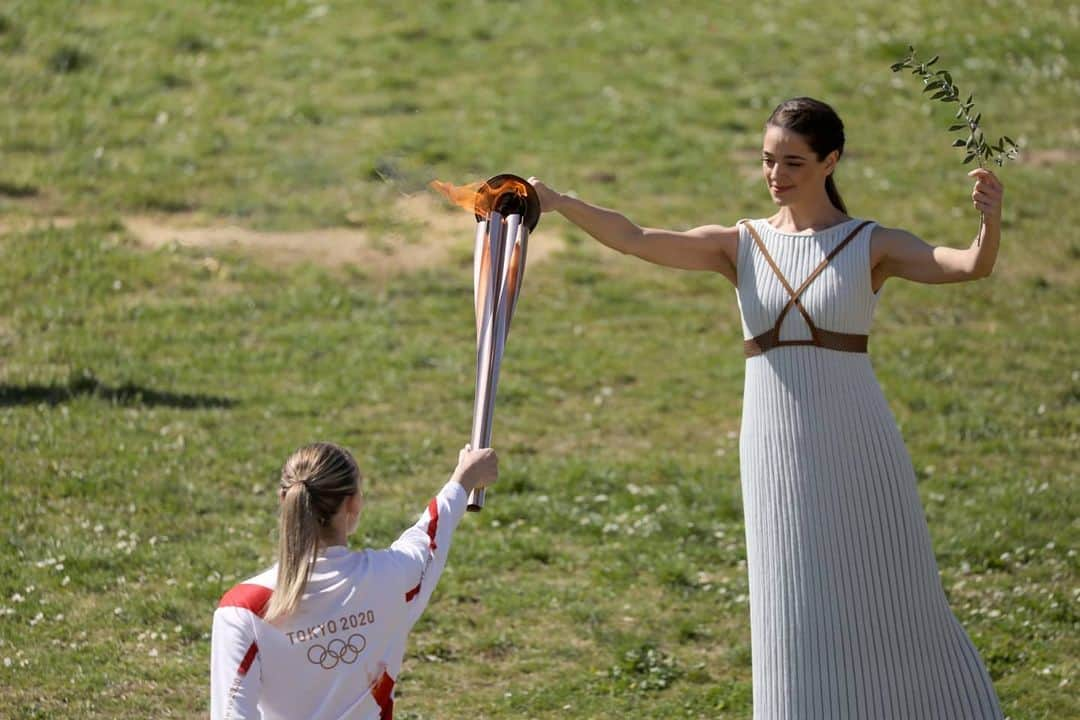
<point>709,247</point>
<point>420,554</point>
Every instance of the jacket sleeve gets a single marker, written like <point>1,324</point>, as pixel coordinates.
<point>420,554</point>
<point>235,673</point>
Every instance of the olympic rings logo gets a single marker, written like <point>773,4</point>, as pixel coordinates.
<point>337,651</point>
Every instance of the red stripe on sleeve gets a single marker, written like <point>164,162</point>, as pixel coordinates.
<point>383,692</point>
<point>433,526</point>
<point>248,596</point>
<point>249,658</point>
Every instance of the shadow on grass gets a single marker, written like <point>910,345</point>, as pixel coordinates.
<point>126,394</point>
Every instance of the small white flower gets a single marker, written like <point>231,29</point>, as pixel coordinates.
<point>118,611</point>
<point>7,662</point>
<point>17,598</point>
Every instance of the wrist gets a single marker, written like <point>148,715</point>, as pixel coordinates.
<point>462,479</point>
<point>559,202</point>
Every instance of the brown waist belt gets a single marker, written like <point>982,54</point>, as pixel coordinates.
<point>845,342</point>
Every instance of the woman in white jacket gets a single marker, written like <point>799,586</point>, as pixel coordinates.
<point>322,633</point>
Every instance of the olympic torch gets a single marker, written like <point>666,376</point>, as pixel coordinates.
<point>507,209</point>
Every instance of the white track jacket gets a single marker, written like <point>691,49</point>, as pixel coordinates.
<point>339,654</point>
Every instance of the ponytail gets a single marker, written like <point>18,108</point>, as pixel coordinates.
<point>834,195</point>
<point>315,480</point>
<point>298,541</point>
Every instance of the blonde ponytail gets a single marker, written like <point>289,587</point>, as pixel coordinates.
<point>315,480</point>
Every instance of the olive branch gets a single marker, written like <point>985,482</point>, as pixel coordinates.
<point>940,82</point>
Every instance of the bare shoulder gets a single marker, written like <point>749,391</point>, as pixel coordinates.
<point>717,232</point>
<point>725,240</point>
<point>887,241</point>
<point>888,234</point>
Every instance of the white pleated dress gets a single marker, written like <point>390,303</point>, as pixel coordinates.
<point>848,615</point>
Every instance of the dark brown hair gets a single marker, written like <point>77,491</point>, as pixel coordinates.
<point>822,129</point>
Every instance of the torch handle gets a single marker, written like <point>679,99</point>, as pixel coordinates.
<point>498,266</point>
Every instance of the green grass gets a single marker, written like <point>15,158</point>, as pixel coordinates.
<point>147,398</point>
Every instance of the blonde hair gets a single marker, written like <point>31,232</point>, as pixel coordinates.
<point>315,480</point>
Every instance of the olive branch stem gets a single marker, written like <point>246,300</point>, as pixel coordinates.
<point>941,83</point>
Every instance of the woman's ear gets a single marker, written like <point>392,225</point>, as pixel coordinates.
<point>355,503</point>
<point>830,161</point>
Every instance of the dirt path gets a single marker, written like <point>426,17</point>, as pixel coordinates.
<point>442,234</point>
<point>446,235</point>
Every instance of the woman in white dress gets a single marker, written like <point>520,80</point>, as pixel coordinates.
<point>847,614</point>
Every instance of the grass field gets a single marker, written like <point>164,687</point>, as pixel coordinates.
<point>149,395</point>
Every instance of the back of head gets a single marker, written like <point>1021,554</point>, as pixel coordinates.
<point>315,480</point>
<point>820,126</point>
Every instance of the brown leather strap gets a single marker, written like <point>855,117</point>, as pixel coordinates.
<point>813,276</point>
<point>783,280</point>
<point>844,342</point>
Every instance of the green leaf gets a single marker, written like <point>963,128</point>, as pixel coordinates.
<point>940,95</point>
<point>948,78</point>
<point>897,67</point>
<point>969,158</point>
<point>1009,140</point>
<point>968,101</point>
<point>977,118</point>
<point>958,143</point>
<point>931,61</point>
<point>932,86</point>
<point>958,126</point>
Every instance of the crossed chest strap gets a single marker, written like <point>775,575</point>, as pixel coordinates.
<point>845,342</point>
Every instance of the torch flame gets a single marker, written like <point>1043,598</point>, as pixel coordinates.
<point>479,197</point>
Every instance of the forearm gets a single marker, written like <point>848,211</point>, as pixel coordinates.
<point>436,526</point>
<point>609,227</point>
<point>984,248</point>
